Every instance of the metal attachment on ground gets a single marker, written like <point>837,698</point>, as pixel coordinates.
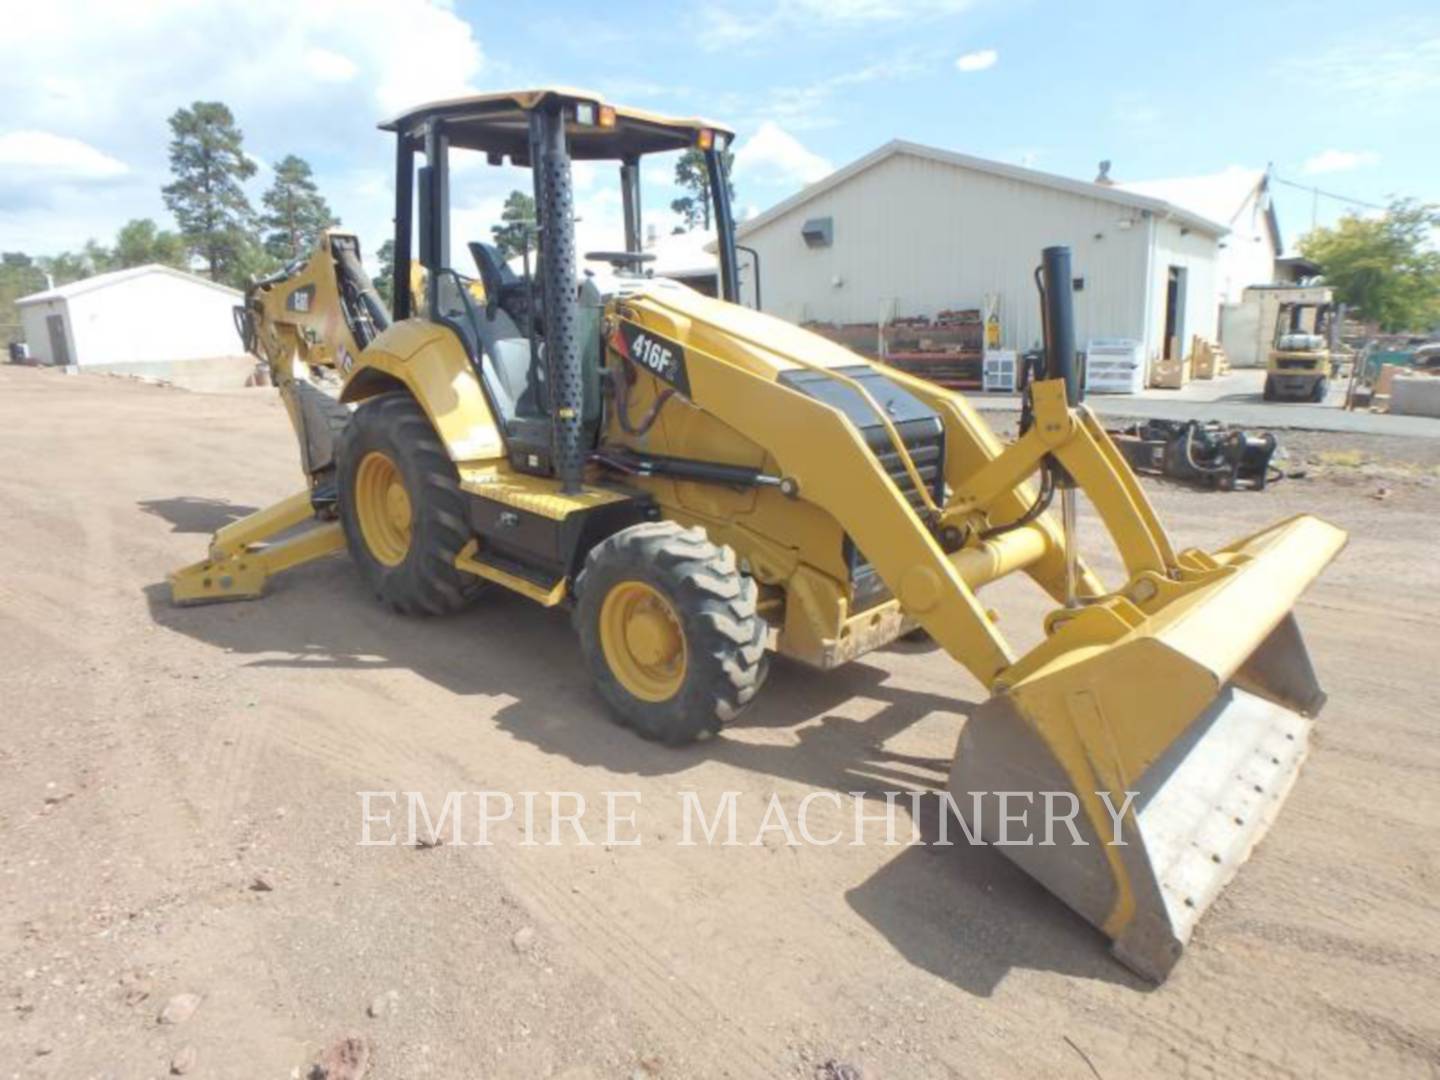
<point>1206,453</point>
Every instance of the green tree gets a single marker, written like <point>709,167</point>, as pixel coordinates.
<point>19,276</point>
<point>384,284</point>
<point>65,267</point>
<point>140,242</point>
<point>518,217</point>
<point>98,257</point>
<point>250,261</point>
<point>1385,269</point>
<point>206,197</point>
<point>295,211</point>
<point>691,175</point>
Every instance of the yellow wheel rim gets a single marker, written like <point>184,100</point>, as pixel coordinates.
<point>643,641</point>
<point>383,507</point>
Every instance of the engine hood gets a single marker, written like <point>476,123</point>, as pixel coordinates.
<point>762,343</point>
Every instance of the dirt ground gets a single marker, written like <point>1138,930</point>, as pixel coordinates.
<point>180,816</point>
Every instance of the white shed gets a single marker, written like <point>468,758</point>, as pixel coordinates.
<point>146,315</point>
<point>910,230</point>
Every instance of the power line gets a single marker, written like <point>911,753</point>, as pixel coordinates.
<point>1328,194</point>
<point>1315,194</point>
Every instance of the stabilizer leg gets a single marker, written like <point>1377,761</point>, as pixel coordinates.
<point>244,554</point>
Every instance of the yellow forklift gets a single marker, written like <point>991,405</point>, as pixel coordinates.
<point>1301,361</point>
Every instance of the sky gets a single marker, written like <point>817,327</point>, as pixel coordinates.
<point>1335,95</point>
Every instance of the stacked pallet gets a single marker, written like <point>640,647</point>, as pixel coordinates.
<point>1207,361</point>
<point>1171,374</point>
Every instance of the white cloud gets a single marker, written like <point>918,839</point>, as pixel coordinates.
<point>773,155</point>
<point>977,61</point>
<point>734,23</point>
<point>1331,161</point>
<point>309,79</point>
<point>660,174</point>
<point>48,157</point>
<point>1388,67</point>
<point>325,65</point>
<point>801,108</point>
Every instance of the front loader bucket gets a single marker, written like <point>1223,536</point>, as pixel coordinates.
<point>1199,714</point>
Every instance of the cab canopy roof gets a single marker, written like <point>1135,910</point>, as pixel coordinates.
<point>498,125</point>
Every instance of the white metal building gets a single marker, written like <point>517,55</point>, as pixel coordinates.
<point>144,315</point>
<point>912,230</point>
<point>1240,200</point>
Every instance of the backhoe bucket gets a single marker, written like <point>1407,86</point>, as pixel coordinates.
<point>1152,763</point>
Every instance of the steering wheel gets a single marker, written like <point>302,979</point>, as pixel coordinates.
<point>621,260</point>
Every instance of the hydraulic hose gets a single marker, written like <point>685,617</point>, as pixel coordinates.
<point>618,386</point>
<point>1190,453</point>
<point>1041,504</point>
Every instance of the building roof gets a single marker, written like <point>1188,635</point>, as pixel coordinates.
<point>115,277</point>
<point>686,254</point>
<point>1218,196</point>
<point>1298,265</point>
<point>1102,192</point>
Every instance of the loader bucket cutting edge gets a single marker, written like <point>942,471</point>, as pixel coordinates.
<point>1203,712</point>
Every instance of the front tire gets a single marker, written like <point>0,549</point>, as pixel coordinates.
<point>669,628</point>
<point>1322,389</point>
<point>402,508</point>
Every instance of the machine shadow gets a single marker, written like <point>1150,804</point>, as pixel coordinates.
<point>191,514</point>
<point>966,914</point>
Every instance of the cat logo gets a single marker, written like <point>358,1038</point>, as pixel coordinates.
<point>658,355</point>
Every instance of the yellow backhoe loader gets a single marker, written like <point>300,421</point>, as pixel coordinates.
<point>704,485</point>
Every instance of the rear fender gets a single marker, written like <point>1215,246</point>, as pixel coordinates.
<point>429,362</point>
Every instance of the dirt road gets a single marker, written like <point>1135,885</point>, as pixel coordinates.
<point>180,816</point>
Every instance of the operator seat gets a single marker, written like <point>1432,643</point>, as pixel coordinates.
<point>504,288</point>
<point>520,384</point>
<point>514,377</point>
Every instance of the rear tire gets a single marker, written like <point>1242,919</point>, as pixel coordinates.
<point>1269,394</point>
<point>402,508</point>
<point>669,627</point>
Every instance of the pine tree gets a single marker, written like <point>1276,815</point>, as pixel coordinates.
<point>518,216</point>
<point>692,175</point>
<point>141,241</point>
<point>206,197</point>
<point>295,211</point>
<point>385,283</point>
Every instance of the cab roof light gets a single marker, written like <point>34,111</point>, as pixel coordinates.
<point>607,116</point>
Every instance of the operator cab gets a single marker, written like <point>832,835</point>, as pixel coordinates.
<point>534,334</point>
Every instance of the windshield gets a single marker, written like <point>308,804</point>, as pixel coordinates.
<point>672,235</point>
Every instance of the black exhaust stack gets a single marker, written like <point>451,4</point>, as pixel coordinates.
<point>1057,300</point>
<point>1057,313</point>
<point>557,260</point>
